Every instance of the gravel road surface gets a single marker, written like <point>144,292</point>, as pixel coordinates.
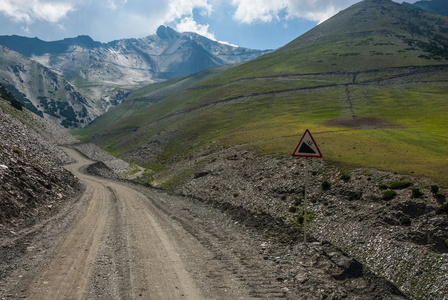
<point>125,241</point>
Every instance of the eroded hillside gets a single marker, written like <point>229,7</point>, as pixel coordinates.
<point>33,181</point>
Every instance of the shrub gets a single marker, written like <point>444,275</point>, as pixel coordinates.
<point>383,186</point>
<point>346,177</point>
<point>399,185</point>
<point>405,221</point>
<point>389,195</point>
<point>16,149</point>
<point>434,189</point>
<point>293,209</point>
<point>326,185</point>
<point>416,193</point>
<point>297,202</point>
<point>354,196</point>
<point>442,209</point>
<point>16,104</point>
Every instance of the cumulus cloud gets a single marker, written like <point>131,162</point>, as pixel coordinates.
<point>249,11</point>
<point>188,24</point>
<point>28,11</point>
<point>181,8</point>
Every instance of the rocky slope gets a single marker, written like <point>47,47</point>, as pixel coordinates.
<point>403,239</point>
<point>43,91</point>
<point>33,182</point>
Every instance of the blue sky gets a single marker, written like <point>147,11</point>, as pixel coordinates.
<point>258,24</point>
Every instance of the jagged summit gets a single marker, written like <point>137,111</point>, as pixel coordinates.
<point>81,40</point>
<point>165,32</point>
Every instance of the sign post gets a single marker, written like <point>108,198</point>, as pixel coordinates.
<point>307,147</point>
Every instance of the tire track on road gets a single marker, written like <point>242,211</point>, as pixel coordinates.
<point>67,275</point>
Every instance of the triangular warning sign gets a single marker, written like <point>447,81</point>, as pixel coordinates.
<point>307,147</point>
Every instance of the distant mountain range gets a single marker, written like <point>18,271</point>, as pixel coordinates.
<point>105,73</point>
<point>439,7</point>
<point>44,92</point>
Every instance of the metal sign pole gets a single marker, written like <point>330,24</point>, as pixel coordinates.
<point>305,203</point>
<point>307,147</point>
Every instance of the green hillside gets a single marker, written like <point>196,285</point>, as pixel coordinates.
<point>370,84</point>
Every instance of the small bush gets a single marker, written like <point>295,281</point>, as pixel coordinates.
<point>297,202</point>
<point>326,185</point>
<point>16,150</point>
<point>389,195</point>
<point>440,197</point>
<point>16,104</point>
<point>405,221</point>
<point>383,186</point>
<point>346,177</point>
<point>416,193</point>
<point>354,196</point>
<point>442,209</point>
<point>399,185</point>
<point>293,209</point>
<point>434,189</point>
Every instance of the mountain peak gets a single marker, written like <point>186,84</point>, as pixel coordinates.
<point>81,40</point>
<point>166,33</point>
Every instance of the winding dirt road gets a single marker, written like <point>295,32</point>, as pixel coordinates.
<point>155,268</point>
<point>125,241</point>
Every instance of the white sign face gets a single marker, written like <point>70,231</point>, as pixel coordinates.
<point>307,147</point>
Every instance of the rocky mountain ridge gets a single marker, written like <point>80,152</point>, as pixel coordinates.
<point>105,72</point>
<point>44,92</point>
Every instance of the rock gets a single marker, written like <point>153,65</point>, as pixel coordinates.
<point>301,278</point>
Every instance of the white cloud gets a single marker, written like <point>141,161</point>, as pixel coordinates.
<point>178,9</point>
<point>187,24</point>
<point>28,11</point>
<point>181,13</point>
<point>250,11</point>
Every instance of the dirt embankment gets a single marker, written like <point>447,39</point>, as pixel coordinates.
<point>124,241</point>
<point>402,239</point>
<point>33,180</point>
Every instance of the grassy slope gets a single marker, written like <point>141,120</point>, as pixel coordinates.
<point>265,105</point>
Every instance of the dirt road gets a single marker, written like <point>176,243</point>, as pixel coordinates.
<point>123,241</point>
<point>154,268</point>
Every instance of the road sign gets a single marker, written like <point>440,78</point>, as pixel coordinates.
<point>307,147</point>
